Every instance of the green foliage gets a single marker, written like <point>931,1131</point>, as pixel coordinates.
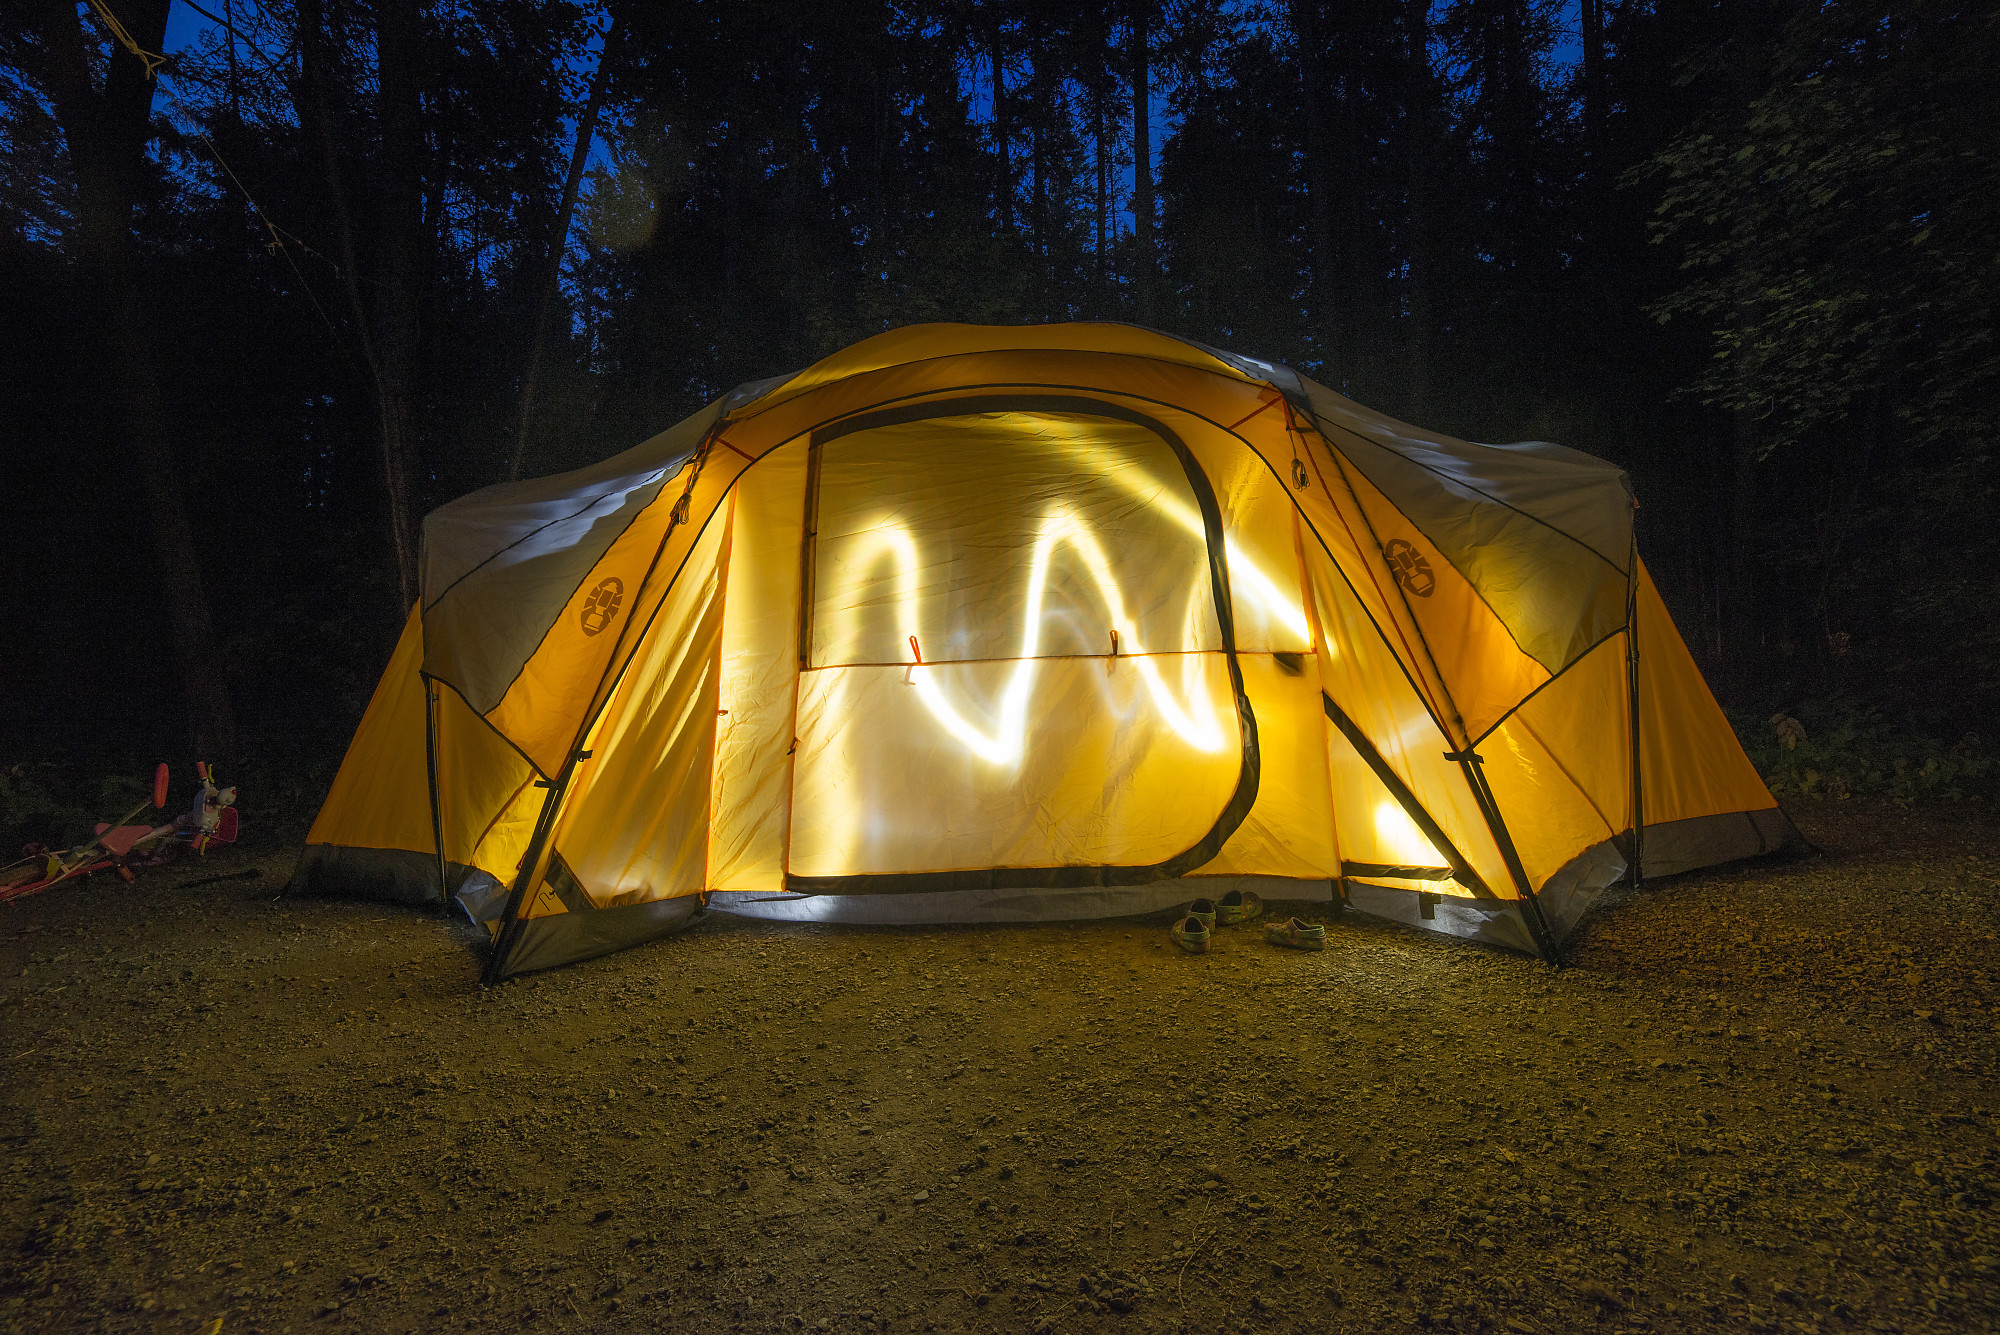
<point>1838,232</point>
<point>1839,749</point>
<point>59,806</point>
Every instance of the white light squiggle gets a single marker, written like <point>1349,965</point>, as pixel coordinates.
<point>1243,572</point>
<point>1197,726</point>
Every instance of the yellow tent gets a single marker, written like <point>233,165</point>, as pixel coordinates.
<point>983,624</point>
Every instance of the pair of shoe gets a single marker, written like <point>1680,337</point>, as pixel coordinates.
<point>1194,931</point>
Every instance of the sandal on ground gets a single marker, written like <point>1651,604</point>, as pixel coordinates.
<point>1297,933</point>
<point>1191,934</point>
<point>1238,906</point>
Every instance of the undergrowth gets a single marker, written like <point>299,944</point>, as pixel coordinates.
<point>1838,749</point>
<point>57,802</point>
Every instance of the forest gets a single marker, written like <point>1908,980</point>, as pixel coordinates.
<point>284,275</point>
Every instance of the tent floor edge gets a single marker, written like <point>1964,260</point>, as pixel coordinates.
<point>376,875</point>
<point>1489,922</point>
<point>568,938</point>
<point>1695,842</point>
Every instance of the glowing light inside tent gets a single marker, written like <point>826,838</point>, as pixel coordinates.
<point>1401,840</point>
<point>1196,724</point>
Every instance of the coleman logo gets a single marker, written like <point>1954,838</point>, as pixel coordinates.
<point>1412,571</point>
<point>602,605</point>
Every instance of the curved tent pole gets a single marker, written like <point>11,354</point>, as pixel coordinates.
<point>510,929</point>
<point>1461,868</point>
<point>1489,807</point>
<point>1444,703</point>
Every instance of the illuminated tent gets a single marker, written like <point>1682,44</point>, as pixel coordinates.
<point>1000,624</point>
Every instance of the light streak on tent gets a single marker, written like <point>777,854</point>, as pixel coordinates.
<point>1196,724</point>
<point>1263,591</point>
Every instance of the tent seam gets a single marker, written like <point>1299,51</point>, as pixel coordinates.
<point>1555,677</point>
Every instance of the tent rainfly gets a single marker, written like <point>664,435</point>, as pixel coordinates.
<point>1002,624</point>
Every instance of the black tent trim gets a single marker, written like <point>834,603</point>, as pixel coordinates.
<point>1074,877</point>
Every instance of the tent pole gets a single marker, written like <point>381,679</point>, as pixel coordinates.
<point>1489,807</point>
<point>1637,872</point>
<point>431,766</point>
<point>1462,871</point>
<point>510,929</point>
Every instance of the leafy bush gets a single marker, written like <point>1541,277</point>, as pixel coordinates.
<point>1838,749</point>
<point>57,806</point>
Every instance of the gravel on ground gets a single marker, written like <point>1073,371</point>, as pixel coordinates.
<point>1760,1098</point>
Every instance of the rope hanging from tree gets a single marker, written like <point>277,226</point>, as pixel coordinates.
<point>151,61</point>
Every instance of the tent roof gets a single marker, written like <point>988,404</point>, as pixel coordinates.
<point>929,342</point>
<point>1543,532</point>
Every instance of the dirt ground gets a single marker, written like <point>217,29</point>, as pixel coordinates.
<point>1763,1098</point>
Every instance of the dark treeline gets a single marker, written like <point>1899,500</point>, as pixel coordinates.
<point>339,262</point>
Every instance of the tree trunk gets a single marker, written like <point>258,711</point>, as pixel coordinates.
<point>384,329</point>
<point>400,183</point>
<point>586,129</point>
<point>1103,180</point>
<point>1424,143</point>
<point>1593,83</point>
<point>1740,633</point>
<point>1319,186</point>
<point>1039,97</point>
<point>1004,193</point>
<point>1145,262</point>
<point>107,134</point>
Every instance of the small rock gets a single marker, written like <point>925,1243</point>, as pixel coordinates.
<point>920,1198</point>
<point>1593,1291</point>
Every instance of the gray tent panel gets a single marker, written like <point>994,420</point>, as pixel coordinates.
<point>501,564</point>
<point>1704,841</point>
<point>1552,559</point>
